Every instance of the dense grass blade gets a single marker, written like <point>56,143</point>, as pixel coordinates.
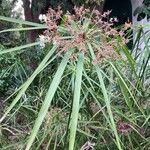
<point>131,61</point>
<point>76,102</point>
<point>21,21</point>
<point>49,96</point>
<point>29,81</point>
<point>129,57</point>
<point>126,86</point>
<point>127,98</point>
<point>92,93</point>
<point>106,98</point>
<point>126,95</point>
<point>146,55</point>
<point>19,48</point>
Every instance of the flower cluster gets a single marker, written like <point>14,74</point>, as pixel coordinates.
<point>76,30</point>
<point>88,146</point>
<point>94,108</point>
<point>56,115</point>
<point>123,127</point>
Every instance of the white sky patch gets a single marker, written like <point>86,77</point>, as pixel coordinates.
<point>18,9</point>
<point>30,3</point>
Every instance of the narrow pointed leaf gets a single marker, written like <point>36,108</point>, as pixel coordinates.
<point>19,48</point>
<point>46,103</point>
<point>126,86</point>
<point>76,102</point>
<point>9,19</point>
<point>21,29</point>
<point>28,82</point>
<point>106,98</point>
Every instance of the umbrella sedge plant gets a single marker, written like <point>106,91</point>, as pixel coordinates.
<point>94,53</point>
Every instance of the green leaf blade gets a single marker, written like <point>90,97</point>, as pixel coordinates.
<point>46,103</point>
<point>76,102</point>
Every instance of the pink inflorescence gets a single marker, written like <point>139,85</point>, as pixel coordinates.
<point>82,27</point>
<point>124,127</point>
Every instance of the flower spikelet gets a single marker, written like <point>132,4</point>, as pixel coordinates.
<point>74,31</point>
